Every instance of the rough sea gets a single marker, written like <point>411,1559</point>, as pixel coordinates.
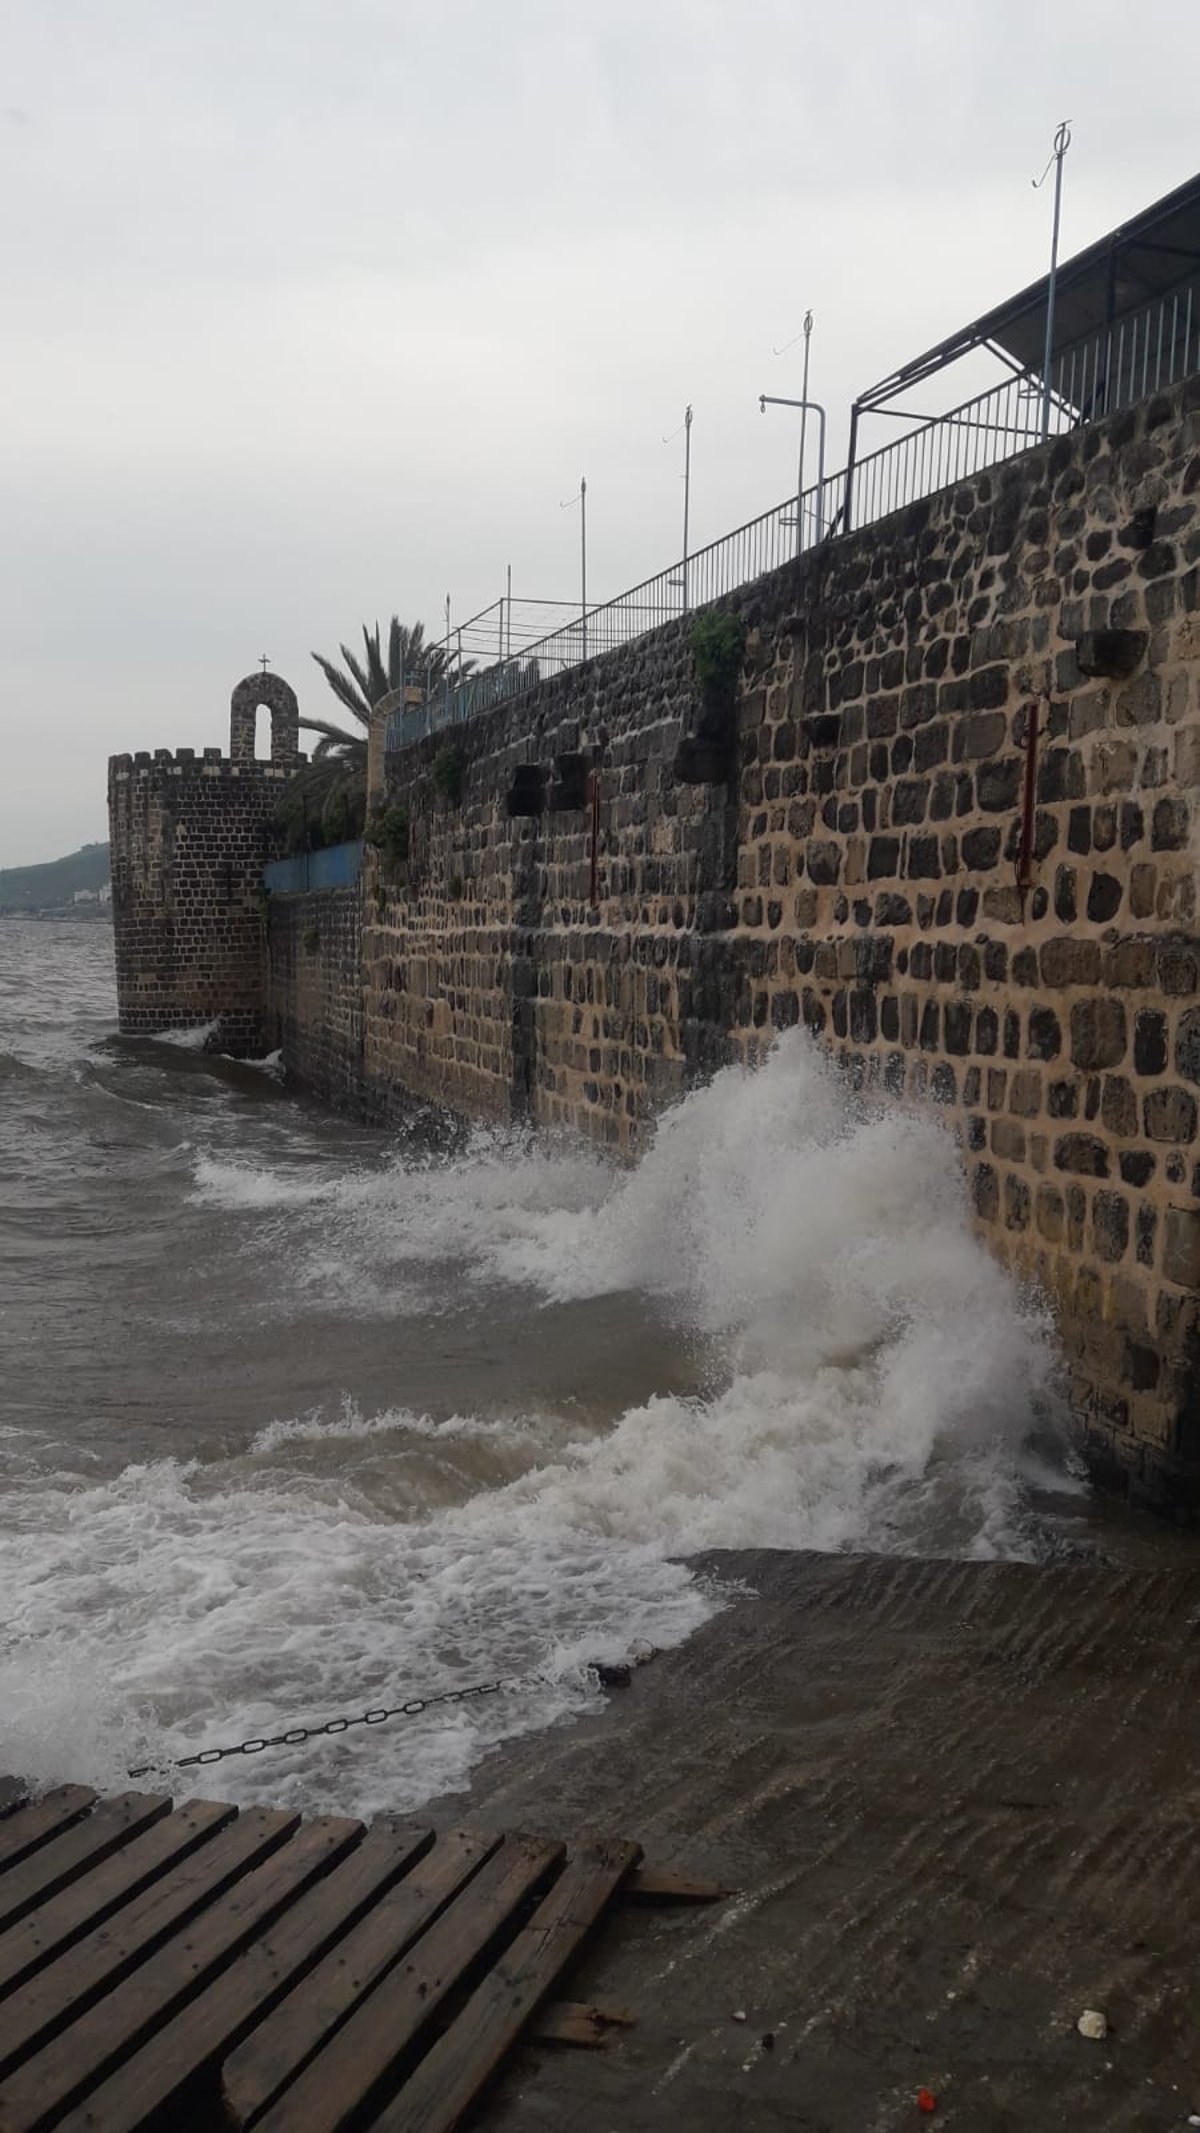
<point>299,1419</point>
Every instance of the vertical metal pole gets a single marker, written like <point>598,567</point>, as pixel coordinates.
<point>583,556</point>
<point>508,632</point>
<point>1062,141</point>
<point>808,325</point>
<point>687,496</point>
<point>851,451</point>
<point>446,666</point>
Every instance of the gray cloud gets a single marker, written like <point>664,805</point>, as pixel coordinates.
<point>318,308</point>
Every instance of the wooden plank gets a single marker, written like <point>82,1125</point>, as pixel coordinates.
<point>108,1953</point>
<point>452,2074</point>
<point>659,1884</point>
<point>578,2022</point>
<point>67,2067</point>
<point>194,2041</point>
<point>55,1865</point>
<point>56,1926</point>
<point>283,2045</point>
<point>22,1831</point>
<point>328,2094</point>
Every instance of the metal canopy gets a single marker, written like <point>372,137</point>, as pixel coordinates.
<point>1137,263</point>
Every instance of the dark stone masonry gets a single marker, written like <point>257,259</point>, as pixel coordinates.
<point>189,836</point>
<point>864,864</point>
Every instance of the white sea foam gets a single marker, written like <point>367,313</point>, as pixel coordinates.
<point>194,1038</point>
<point>352,1424</point>
<point>875,1374</point>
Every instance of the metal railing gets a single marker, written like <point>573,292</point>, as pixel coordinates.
<point>762,545</point>
<point>1097,376</point>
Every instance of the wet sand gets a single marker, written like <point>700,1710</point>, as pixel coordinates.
<point>960,1803</point>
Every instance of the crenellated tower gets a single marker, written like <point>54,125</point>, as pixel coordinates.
<point>189,836</point>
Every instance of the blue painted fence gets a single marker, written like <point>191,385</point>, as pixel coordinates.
<point>337,867</point>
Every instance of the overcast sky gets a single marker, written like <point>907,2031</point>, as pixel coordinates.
<point>316,309</point>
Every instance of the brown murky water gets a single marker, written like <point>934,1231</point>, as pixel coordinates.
<point>298,1419</point>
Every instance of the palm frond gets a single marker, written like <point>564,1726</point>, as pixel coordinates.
<point>347,695</point>
<point>335,733</point>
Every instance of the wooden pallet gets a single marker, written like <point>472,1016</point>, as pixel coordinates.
<point>166,1965</point>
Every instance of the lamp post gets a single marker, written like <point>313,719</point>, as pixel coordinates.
<point>1062,141</point>
<point>569,505</point>
<point>808,326</point>
<point>686,426</point>
<point>766,400</point>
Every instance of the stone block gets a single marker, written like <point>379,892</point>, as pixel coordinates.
<point>1169,824</point>
<point>983,734</point>
<point>998,784</point>
<point>1181,1247</point>
<point>1008,1140</point>
<point>1118,1106</point>
<point>1062,1099</point>
<point>1113,653</point>
<point>1083,1154</point>
<point>883,858</point>
<point>1067,961</point>
<point>1048,1213</point>
<point>1178,969</point>
<point>1017,1203</point>
<point>1025,1093</point>
<point>1099,1034</point>
<point>985,1191</point>
<point>1110,1226</point>
<point>1143,889</point>
<point>1104,898</point>
<point>980,849</point>
<point>910,800</point>
<point>823,861</point>
<point>924,859</point>
<point>1044,1037</point>
<point>956,1025</point>
<point>1187,1045</point>
<point>1169,1114</point>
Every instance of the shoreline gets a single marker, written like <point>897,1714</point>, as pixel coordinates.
<point>957,1802</point>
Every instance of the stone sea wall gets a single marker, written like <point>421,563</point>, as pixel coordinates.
<point>316,993</point>
<point>857,872</point>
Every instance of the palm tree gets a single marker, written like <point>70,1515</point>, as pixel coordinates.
<point>328,800</point>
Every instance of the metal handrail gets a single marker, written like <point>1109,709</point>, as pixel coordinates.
<point>1096,376</point>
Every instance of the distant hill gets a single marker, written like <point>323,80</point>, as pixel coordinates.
<point>52,886</point>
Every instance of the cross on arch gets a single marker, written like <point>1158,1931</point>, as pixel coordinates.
<point>264,662</point>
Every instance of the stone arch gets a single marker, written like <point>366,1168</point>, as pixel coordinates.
<point>280,700</point>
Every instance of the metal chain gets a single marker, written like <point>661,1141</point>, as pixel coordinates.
<point>295,1735</point>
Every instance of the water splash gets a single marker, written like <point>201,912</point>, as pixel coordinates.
<point>871,1376</point>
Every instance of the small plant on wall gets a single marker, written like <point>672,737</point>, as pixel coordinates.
<point>388,834</point>
<point>447,772</point>
<point>718,642</point>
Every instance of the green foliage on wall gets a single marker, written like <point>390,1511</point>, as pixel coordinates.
<point>388,834</point>
<point>718,642</point>
<point>447,772</point>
